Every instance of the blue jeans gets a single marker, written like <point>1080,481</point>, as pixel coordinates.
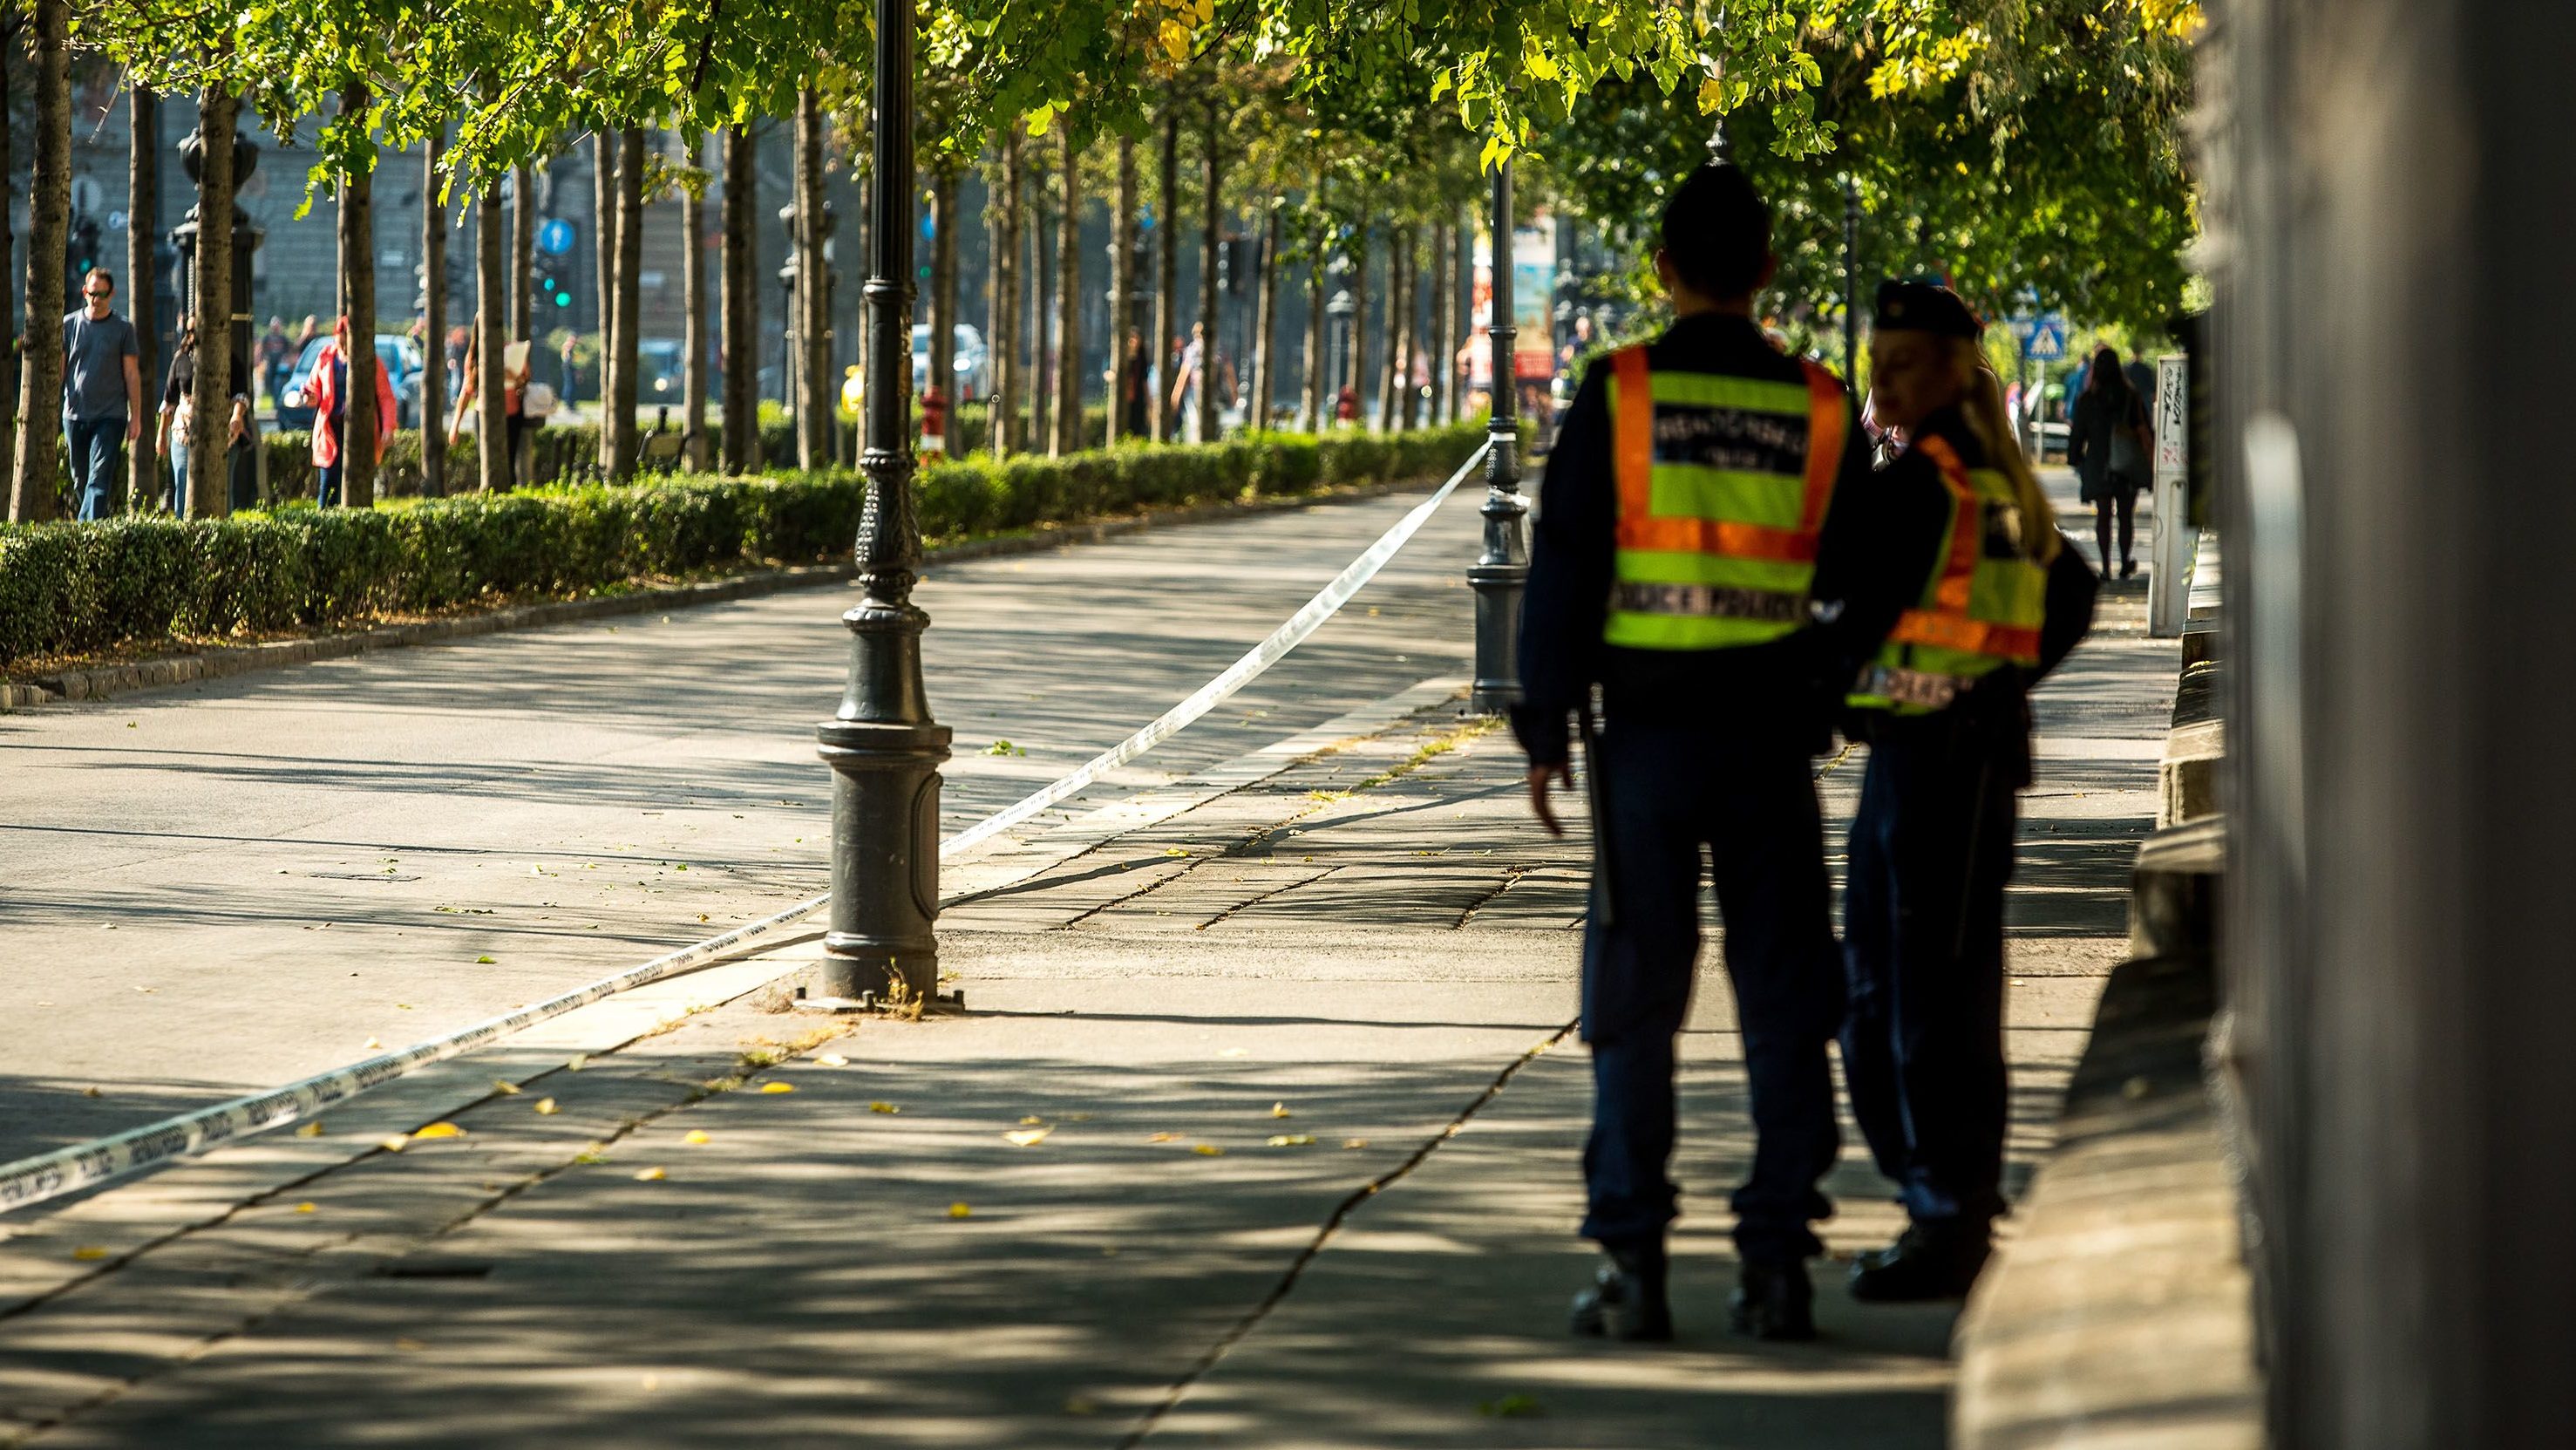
<point>326,479</point>
<point>97,458</point>
<point>1923,942</point>
<point>1671,793</point>
<point>179,480</point>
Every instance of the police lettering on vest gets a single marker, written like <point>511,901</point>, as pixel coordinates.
<point>1723,486</point>
<point>1981,609</point>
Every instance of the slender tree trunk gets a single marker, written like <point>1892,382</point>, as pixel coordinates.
<point>433,327</point>
<point>1408,413</point>
<point>12,34</point>
<point>741,304</point>
<point>815,393</point>
<point>211,298</point>
<point>1316,333</point>
<point>693,306</point>
<point>1355,370</point>
<point>1399,264</point>
<point>630,294</point>
<point>1209,241</point>
<point>603,191</point>
<point>1122,288</point>
<point>358,304</point>
<point>143,212</point>
<point>1444,344</point>
<point>1002,340</point>
<point>943,296</point>
<point>1068,305</point>
<point>49,202</point>
<point>1041,389</point>
<point>523,251</point>
<point>1265,321</point>
<point>491,322</point>
<point>1167,278</point>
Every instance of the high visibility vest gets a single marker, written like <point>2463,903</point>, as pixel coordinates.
<point>1982,608</point>
<point>1723,485</point>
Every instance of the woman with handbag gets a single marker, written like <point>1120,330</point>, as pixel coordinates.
<point>2108,442</point>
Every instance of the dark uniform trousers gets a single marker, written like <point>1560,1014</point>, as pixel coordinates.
<point>1923,944</point>
<point>1669,791</point>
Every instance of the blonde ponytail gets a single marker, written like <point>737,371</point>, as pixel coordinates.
<point>1983,406</point>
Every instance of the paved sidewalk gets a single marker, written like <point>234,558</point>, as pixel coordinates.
<point>1260,1132</point>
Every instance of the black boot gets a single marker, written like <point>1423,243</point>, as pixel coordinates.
<point>1773,1301</point>
<point>1627,1301</point>
<point>1928,1261</point>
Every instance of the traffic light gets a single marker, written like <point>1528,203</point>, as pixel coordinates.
<point>81,252</point>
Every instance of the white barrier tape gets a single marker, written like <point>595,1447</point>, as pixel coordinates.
<point>83,1165</point>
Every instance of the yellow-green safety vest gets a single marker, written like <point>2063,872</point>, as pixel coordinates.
<point>1981,609</point>
<point>1723,485</point>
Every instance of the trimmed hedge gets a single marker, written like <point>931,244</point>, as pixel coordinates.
<point>558,453</point>
<point>67,587</point>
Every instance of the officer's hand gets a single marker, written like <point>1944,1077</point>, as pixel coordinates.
<point>1539,776</point>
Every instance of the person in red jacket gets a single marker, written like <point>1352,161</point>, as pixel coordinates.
<point>330,392</point>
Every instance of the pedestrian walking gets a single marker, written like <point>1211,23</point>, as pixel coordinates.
<point>1132,420</point>
<point>514,392</point>
<point>1187,380</point>
<point>276,360</point>
<point>2109,444</point>
<point>1708,553</point>
<point>330,393</point>
<point>102,395</point>
<point>1997,602</point>
<point>178,417</point>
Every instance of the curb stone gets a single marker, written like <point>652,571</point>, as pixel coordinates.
<point>102,681</point>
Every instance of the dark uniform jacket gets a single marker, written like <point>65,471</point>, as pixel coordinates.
<point>1874,556</point>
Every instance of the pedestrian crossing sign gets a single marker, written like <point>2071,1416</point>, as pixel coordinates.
<point>2046,340</point>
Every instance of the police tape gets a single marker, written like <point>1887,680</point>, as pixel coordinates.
<point>84,1165</point>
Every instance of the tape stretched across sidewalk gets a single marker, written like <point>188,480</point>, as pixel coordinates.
<point>85,1165</point>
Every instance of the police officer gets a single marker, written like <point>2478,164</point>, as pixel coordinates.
<point>1706,542</point>
<point>1997,600</point>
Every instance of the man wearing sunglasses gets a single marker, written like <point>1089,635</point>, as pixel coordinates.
<point>102,396</point>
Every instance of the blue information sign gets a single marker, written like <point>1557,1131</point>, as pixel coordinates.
<point>554,236</point>
<point>2046,341</point>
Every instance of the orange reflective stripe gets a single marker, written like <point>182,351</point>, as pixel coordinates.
<point>1977,636</point>
<point>1632,447</point>
<point>1967,533</point>
<point>1824,445</point>
<point>1713,536</point>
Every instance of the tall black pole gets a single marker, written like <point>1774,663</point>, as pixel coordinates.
<point>1498,576</point>
<point>1851,283</point>
<point>883,747</point>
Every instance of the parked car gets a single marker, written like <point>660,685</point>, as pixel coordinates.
<point>401,359</point>
<point>658,372</point>
<point>973,372</point>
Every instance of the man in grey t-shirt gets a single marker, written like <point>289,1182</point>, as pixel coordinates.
<point>102,395</point>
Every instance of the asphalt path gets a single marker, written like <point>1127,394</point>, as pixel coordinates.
<point>223,886</point>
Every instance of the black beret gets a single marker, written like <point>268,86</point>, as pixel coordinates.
<point>1925,307</point>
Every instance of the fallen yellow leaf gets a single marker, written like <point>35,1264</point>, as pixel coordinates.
<point>310,1130</point>
<point>1077,1117</point>
<point>545,1107</point>
<point>1029,1137</point>
<point>304,1208</point>
<point>1280,1110</point>
<point>1232,1052</point>
<point>650,1175</point>
<point>696,1135</point>
<point>395,1144</point>
<point>959,1210</point>
<point>1031,1121</point>
<point>578,1061</point>
<point>88,1252</point>
<point>440,1130</point>
<point>883,1108</point>
<point>778,1087</point>
<point>1208,1150</point>
<point>833,1059</point>
<point>505,1087</point>
<point>1164,1138</point>
<point>371,1042</point>
<point>1355,1142</point>
<point>1292,1140</point>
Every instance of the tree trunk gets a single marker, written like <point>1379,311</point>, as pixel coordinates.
<point>491,321</point>
<point>1122,289</point>
<point>1208,244</point>
<point>1265,321</point>
<point>211,298</point>
<point>433,327</point>
<point>49,202</point>
<point>12,32</point>
<point>943,296</point>
<point>603,212</point>
<point>1316,335</point>
<point>1444,343</point>
<point>815,395</point>
<point>1068,304</point>
<point>630,294</point>
<point>523,253</point>
<point>1408,411</point>
<point>1002,340</point>
<point>1355,365</point>
<point>1041,389</point>
<point>741,303</point>
<point>143,212</point>
<point>1397,263</point>
<point>358,304</point>
<point>1167,279</point>
<point>693,307</point>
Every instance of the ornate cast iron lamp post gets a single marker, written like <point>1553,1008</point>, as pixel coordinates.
<point>1499,575</point>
